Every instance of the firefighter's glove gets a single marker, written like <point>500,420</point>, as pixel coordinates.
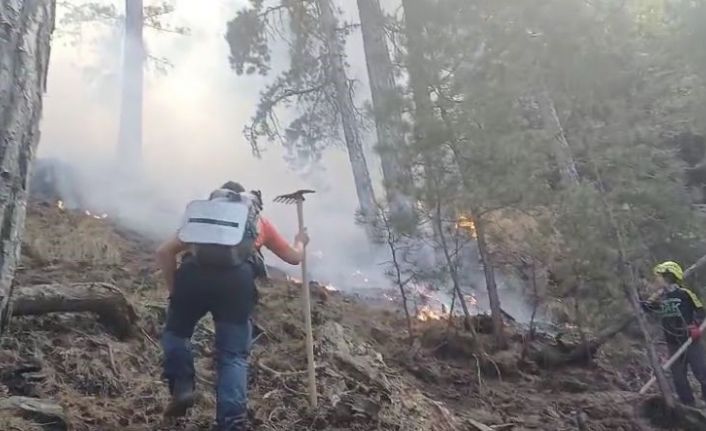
<point>694,332</point>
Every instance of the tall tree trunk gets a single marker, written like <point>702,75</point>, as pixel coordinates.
<point>346,108</point>
<point>419,82</point>
<point>386,107</point>
<point>25,36</point>
<point>492,287</point>
<point>130,132</point>
<point>562,151</point>
<point>420,85</point>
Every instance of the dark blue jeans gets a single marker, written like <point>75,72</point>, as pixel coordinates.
<point>228,294</point>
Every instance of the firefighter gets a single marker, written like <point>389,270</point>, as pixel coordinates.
<point>681,313</point>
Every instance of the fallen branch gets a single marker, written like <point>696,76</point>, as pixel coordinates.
<point>478,425</point>
<point>39,410</point>
<point>363,370</point>
<point>280,374</point>
<point>104,299</point>
<point>579,354</point>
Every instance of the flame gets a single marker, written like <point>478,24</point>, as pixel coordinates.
<point>426,314</point>
<point>331,288</point>
<point>60,204</point>
<point>96,216</point>
<point>466,223</point>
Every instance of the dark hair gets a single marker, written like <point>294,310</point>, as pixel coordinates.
<point>233,186</point>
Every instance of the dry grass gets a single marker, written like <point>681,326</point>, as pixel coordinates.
<point>17,424</point>
<point>364,381</point>
<point>79,239</point>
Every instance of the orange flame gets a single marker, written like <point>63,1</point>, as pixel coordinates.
<point>96,216</point>
<point>60,205</point>
<point>426,314</point>
<point>466,223</point>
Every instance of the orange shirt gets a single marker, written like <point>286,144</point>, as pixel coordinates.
<point>271,239</point>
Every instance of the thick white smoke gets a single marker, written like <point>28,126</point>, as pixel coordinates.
<point>193,121</point>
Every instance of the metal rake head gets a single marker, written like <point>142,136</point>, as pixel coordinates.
<point>293,198</point>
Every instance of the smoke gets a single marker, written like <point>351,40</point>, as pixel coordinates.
<point>192,140</point>
<point>193,119</point>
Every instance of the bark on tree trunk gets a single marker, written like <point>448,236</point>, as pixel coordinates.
<point>423,107</point>
<point>495,307</point>
<point>562,150</point>
<point>346,108</point>
<point>386,107</point>
<point>130,131</point>
<point>25,36</point>
<point>414,27</point>
<point>103,299</point>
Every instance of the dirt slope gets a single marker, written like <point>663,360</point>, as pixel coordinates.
<point>369,376</point>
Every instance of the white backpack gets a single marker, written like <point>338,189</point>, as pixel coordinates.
<point>223,229</point>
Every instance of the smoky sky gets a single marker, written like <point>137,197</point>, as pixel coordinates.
<point>193,119</point>
<point>192,132</point>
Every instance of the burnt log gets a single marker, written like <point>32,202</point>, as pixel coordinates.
<point>577,354</point>
<point>103,299</point>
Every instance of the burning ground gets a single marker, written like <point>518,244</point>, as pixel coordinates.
<point>369,374</point>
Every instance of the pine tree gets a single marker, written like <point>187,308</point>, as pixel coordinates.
<point>387,109</point>
<point>130,129</point>
<point>316,83</point>
<point>135,58</point>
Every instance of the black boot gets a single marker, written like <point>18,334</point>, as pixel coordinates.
<point>182,397</point>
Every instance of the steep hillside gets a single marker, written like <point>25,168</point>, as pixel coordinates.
<point>369,376</point>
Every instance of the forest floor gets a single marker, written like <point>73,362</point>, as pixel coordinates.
<point>370,377</point>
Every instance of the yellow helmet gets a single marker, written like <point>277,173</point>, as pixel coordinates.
<point>670,267</point>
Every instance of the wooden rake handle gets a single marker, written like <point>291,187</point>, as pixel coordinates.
<point>667,365</point>
<point>306,305</point>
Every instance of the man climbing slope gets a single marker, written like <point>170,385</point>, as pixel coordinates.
<point>223,236</point>
<point>681,313</point>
